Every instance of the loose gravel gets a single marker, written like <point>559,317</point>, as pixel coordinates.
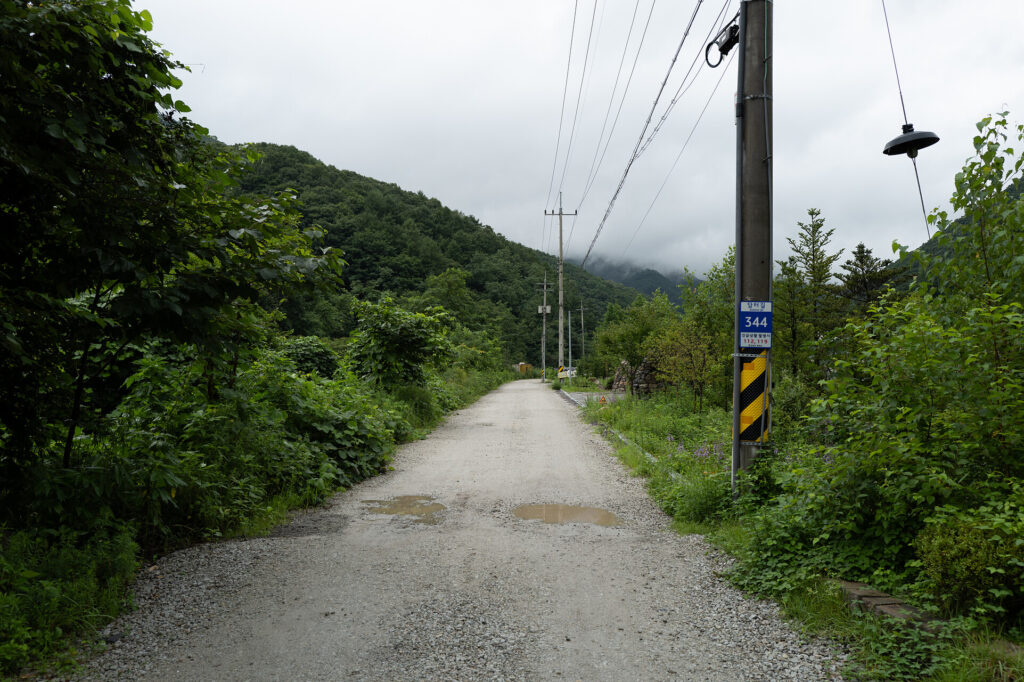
<point>348,592</point>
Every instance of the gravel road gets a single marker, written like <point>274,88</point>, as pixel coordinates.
<point>428,573</point>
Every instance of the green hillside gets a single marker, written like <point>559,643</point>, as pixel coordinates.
<point>644,280</point>
<point>394,240</point>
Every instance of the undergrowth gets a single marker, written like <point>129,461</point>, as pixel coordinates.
<point>684,458</point>
<point>175,465</point>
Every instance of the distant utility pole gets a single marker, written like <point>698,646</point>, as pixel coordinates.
<point>561,304</point>
<point>570,340</point>
<point>751,360</point>
<point>544,310</point>
<point>583,333</point>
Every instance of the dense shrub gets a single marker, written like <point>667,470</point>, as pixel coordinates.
<point>392,346</point>
<point>311,355</point>
<point>973,559</point>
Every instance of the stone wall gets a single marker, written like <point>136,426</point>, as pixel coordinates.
<point>644,382</point>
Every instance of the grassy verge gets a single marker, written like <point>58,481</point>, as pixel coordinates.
<point>684,457</point>
<point>580,384</point>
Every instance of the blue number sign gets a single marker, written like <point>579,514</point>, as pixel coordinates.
<point>755,324</point>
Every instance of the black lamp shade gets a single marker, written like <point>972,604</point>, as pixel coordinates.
<point>910,141</point>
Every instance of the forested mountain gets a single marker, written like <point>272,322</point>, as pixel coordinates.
<point>394,241</point>
<point>644,280</point>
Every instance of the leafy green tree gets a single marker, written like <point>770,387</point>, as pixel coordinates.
<point>792,327</point>
<point>709,307</point>
<point>626,338</point>
<point>392,346</point>
<point>123,222</point>
<point>979,255</point>
<point>684,353</point>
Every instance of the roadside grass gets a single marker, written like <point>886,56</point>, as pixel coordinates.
<point>580,384</point>
<point>689,480</point>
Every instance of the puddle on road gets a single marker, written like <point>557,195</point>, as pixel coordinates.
<point>423,507</point>
<point>564,513</point>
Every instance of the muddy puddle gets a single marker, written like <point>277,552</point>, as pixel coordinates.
<point>564,513</point>
<point>423,508</point>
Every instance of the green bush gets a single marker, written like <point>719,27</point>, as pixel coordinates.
<point>918,417</point>
<point>311,355</point>
<point>421,403</point>
<point>973,559</point>
<point>393,346</point>
<point>556,385</point>
<point>184,466</point>
<point>957,560</point>
<point>790,397</point>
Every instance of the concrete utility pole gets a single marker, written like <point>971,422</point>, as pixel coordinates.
<point>544,310</point>
<point>561,304</point>
<point>583,333</point>
<point>751,368</point>
<point>570,340</point>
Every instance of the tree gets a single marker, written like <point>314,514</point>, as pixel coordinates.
<point>865,277</point>
<point>394,346</point>
<point>710,308</point>
<point>626,338</point>
<point>814,265</point>
<point>124,223</point>
<point>684,353</point>
<point>792,327</point>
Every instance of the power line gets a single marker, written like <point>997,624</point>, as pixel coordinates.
<point>643,132</point>
<point>611,99</point>
<point>592,173</point>
<point>561,116</point>
<point>679,155</point>
<point>579,96</point>
<point>685,85</point>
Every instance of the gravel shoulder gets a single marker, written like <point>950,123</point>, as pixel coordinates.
<point>469,591</point>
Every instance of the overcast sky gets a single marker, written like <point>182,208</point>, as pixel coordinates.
<point>461,99</point>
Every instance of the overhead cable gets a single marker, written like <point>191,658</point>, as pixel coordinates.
<point>679,155</point>
<point>686,83</point>
<point>592,173</point>
<point>579,96</point>
<point>595,164</point>
<point>561,116</point>
<point>643,132</point>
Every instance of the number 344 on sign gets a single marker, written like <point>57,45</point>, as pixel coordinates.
<point>755,324</point>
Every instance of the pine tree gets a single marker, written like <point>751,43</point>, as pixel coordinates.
<point>814,264</point>
<point>865,277</point>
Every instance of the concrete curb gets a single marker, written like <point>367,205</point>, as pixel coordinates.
<point>862,596</point>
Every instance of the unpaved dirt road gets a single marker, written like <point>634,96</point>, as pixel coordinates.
<point>427,572</point>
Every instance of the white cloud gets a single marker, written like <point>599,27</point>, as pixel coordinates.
<point>461,100</point>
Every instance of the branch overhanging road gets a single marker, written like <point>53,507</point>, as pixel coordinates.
<point>427,572</point>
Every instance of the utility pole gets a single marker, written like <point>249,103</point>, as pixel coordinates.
<point>570,341</point>
<point>561,304</point>
<point>583,333</point>
<point>751,359</point>
<point>544,310</point>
